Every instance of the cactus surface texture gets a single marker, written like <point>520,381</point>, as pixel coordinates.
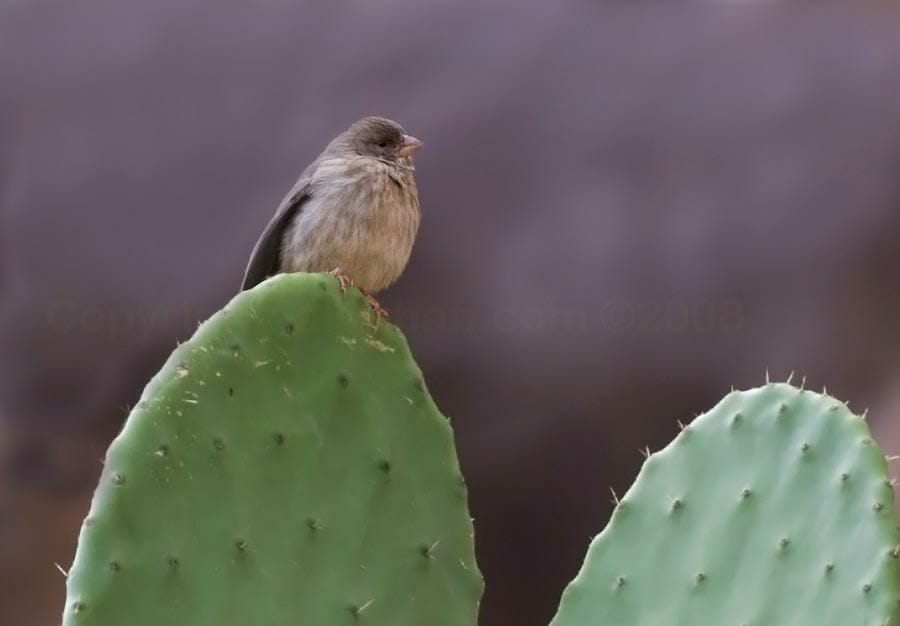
<point>772,509</point>
<point>286,466</point>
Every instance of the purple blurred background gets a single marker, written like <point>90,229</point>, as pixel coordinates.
<point>626,212</point>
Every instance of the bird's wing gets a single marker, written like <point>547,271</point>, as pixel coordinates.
<point>264,260</point>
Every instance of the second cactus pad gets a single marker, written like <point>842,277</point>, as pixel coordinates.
<point>286,466</point>
<point>772,509</point>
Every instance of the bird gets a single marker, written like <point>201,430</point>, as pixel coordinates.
<point>354,212</point>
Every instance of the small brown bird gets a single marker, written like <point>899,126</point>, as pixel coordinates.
<point>354,212</point>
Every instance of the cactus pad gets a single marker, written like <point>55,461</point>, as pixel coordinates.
<point>772,509</point>
<point>286,466</point>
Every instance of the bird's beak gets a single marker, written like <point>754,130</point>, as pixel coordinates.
<point>409,146</point>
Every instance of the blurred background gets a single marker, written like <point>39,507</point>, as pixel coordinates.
<point>626,212</point>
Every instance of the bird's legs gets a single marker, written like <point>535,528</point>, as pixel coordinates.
<point>376,306</point>
<point>344,280</point>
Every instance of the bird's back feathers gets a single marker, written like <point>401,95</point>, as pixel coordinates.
<point>265,260</point>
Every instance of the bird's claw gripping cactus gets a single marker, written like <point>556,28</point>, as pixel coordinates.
<point>772,509</point>
<point>286,466</point>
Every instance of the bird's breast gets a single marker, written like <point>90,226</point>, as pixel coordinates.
<point>363,216</point>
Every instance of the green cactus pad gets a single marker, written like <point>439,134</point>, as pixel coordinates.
<point>286,466</point>
<point>773,509</point>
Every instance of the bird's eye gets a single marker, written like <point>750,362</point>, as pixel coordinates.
<point>382,144</point>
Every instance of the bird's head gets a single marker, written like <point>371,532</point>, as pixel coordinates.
<point>381,138</point>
